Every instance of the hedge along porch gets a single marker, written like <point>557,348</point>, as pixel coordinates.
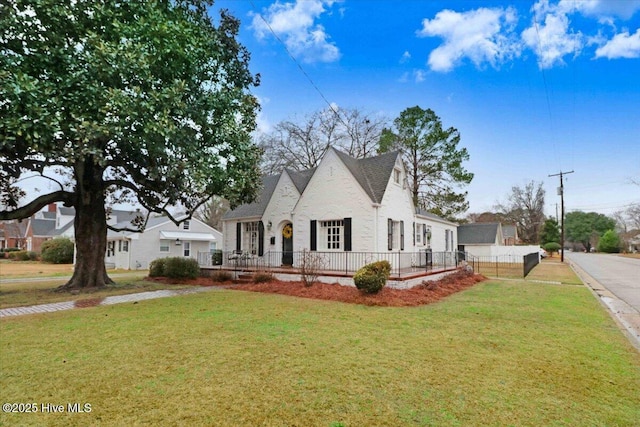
<point>343,205</point>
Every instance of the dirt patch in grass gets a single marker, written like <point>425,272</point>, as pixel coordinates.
<point>426,293</point>
<point>89,302</point>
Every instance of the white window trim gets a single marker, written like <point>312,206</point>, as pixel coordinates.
<point>331,235</point>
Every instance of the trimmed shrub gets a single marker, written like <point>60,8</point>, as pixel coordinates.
<point>262,278</point>
<point>23,255</point>
<point>551,247</point>
<point>372,277</point>
<point>221,276</point>
<point>57,251</point>
<point>181,268</point>
<point>156,267</point>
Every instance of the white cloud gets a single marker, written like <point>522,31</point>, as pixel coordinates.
<point>549,36</point>
<point>419,75</point>
<point>482,35</point>
<point>602,9</point>
<point>295,24</point>
<point>406,56</point>
<point>621,45</point>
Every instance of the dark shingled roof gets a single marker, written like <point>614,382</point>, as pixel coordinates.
<point>477,233</point>
<point>301,178</point>
<point>258,207</point>
<point>42,227</point>
<point>371,173</point>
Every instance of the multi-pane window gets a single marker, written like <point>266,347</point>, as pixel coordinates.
<point>186,225</point>
<point>186,247</point>
<point>164,246</point>
<point>250,237</point>
<point>332,234</point>
<point>419,233</point>
<point>125,246</point>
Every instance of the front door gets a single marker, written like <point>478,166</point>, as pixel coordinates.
<point>287,244</point>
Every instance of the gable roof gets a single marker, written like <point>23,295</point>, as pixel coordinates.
<point>372,173</point>
<point>257,208</point>
<point>477,233</point>
<point>42,227</point>
<point>301,178</point>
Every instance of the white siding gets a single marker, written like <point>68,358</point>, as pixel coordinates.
<point>145,247</point>
<point>333,194</point>
<point>279,212</point>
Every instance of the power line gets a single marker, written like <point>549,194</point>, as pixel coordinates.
<point>293,58</point>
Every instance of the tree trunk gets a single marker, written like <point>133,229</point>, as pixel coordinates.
<point>90,225</point>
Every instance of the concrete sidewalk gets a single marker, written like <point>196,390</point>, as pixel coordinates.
<point>627,317</point>
<point>116,299</point>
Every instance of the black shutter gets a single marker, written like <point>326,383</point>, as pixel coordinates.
<point>260,238</point>
<point>238,236</point>
<point>314,235</point>
<point>402,235</point>
<point>414,234</point>
<point>390,234</point>
<point>347,234</point>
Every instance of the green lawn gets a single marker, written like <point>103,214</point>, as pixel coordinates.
<point>501,353</point>
<point>551,269</point>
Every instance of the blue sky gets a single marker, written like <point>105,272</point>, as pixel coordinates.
<point>534,88</point>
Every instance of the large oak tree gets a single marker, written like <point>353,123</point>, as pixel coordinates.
<point>433,160</point>
<point>141,101</point>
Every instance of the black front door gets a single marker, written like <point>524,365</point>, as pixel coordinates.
<point>287,245</point>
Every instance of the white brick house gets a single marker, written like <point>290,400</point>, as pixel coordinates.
<point>343,205</point>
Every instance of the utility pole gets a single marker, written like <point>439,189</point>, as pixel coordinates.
<point>561,193</point>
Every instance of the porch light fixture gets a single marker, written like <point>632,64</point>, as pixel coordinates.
<point>178,242</point>
<point>428,234</point>
<point>269,225</point>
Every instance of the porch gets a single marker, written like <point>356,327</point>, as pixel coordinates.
<point>404,265</point>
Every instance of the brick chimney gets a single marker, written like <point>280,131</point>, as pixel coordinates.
<point>52,207</point>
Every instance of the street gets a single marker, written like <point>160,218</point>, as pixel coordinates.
<point>620,275</point>
<point>616,281</point>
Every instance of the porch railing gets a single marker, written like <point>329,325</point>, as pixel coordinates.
<point>336,262</point>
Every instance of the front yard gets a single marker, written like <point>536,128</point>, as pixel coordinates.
<point>499,353</point>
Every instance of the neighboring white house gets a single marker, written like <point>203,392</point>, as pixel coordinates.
<point>487,240</point>
<point>161,238</point>
<point>135,250</point>
<point>343,205</point>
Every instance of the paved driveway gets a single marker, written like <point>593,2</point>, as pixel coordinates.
<point>620,275</point>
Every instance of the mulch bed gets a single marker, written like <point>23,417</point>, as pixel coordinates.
<point>426,293</point>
